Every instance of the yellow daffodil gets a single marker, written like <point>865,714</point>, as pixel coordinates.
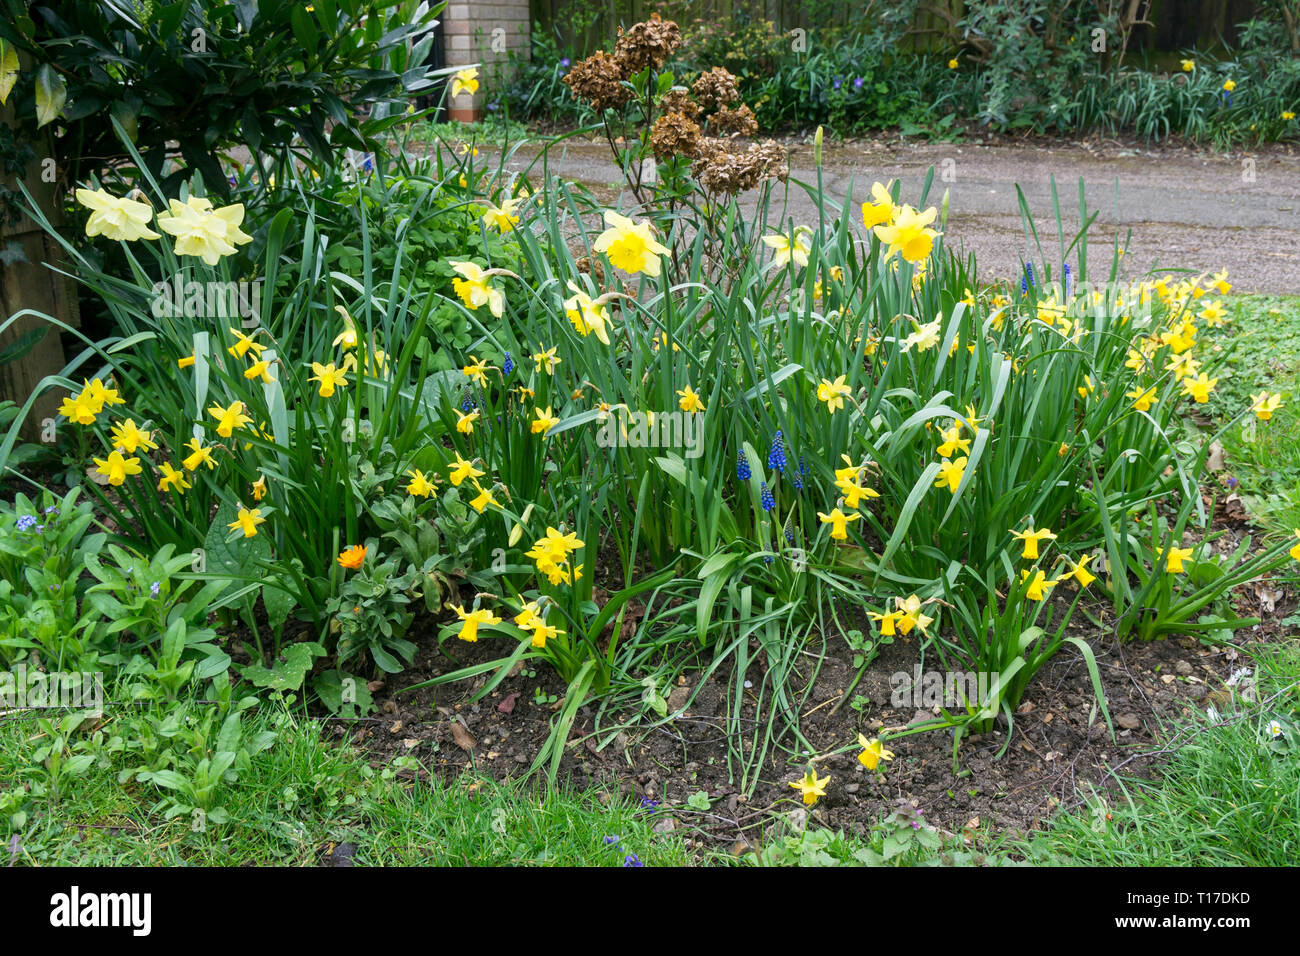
<point>464,81</point>
<point>473,620</point>
<point>477,370</point>
<point>114,218</point>
<point>503,218</point>
<point>1080,572</point>
<point>951,473</point>
<point>1295,552</point>
<point>228,419</point>
<point>463,469</point>
<point>839,523</point>
<point>172,479</point>
<point>476,290</point>
<point>202,231</point>
<point>544,421</point>
<point>588,315</point>
<point>259,369</point>
<point>786,248</point>
<point>833,393</point>
<point>630,246</point>
<point>907,235</point>
<point>348,337</point>
<point>185,361</point>
<point>1213,314</point>
<point>1199,388</point>
<point>811,787</point>
<point>1229,86</point>
<point>1187,65</point>
<point>873,751</point>
<point>483,498</point>
<point>128,438</point>
<point>245,343</point>
<point>115,468</point>
<point>888,622</point>
<point>853,492</point>
<point>1263,405</point>
<point>419,485</point>
<point>925,337</point>
<point>247,521</point>
<point>1142,398</point>
<point>1174,559</point>
<point>259,488</point>
<point>952,441</point>
<point>879,210</point>
<point>912,617</point>
<point>546,360</point>
<point>199,455</point>
<point>1038,584</point>
<point>99,395</point>
<point>1031,539</point>
<point>689,401</point>
<point>465,421</point>
<point>329,377</point>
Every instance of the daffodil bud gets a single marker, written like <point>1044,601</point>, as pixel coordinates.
<point>817,147</point>
<point>943,211</point>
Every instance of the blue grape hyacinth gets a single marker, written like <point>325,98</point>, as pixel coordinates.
<point>776,454</point>
<point>742,466</point>
<point>766,495</point>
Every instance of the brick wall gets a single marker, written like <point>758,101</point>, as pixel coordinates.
<point>485,32</point>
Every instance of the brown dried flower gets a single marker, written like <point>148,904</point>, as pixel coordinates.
<point>674,134</point>
<point>591,267</point>
<point>721,168</point>
<point>598,80</point>
<point>648,43</point>
<point>737,122</point>
<point>716,88</point>
<point>678,100</point>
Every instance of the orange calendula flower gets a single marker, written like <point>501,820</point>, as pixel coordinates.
<point>352,557</point>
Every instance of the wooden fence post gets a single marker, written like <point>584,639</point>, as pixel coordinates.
<point>30,284</point>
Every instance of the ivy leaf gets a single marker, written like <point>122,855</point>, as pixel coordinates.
<point>51,94</point>
<point>8,70</point>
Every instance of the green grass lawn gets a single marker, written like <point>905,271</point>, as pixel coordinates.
<point>1229,796</point>
<point>303,797</point>
<point>1264,457</point>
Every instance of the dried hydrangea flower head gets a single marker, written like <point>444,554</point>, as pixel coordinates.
<point>738,122</point>
<point>715,88</point>
<point>647,44</point>
<point>674,134</point>
<point>678,100</point>
<point>599,80</point>
<point>720,168</point>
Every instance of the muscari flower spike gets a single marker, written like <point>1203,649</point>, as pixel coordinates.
<point>1066,282</point>
<point>507,365</point>
<point>776,455</point>
<point>742,466</point>
<point>766,494</point>
<point>789,530</point>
